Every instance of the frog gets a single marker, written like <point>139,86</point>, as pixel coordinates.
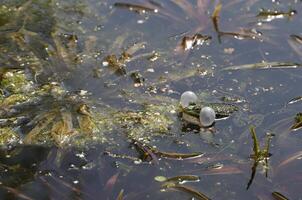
<point>190,114</point>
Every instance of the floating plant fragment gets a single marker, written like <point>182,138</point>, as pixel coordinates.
<point>240,35</point>
<point>191,191</point>
<point>295,42</point>
<point>215,17</point>
<point>298,122</point>
<point>146,152</point>
<point>181,179</point>
<point>117,63</point>
<point>188,43</point>
<point>120,195</point>
<point>137,78</point>
<point>295,100</point>
<point>279,196</point>
<point>153,153</point>
<point>260,155</point>
<point>264,65</point>
<point>135,7</point>
<point>243,34</point>
<point>178,156</point>
<point>8,137</point>
<point>270,15</point>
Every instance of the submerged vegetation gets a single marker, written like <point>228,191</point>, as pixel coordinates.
<point>89,99</point>
<point>259,155</point>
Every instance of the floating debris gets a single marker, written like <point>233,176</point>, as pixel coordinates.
<point>269,15</point>
<point>154,56</point>
<point>137,78</point>
<point>279,196</point>
<point>178,156</point>
<point>114,155</point>
<point>135,7</point>
<point>120,195</point>
<point>116,64</point>
<point>295,42</point>
<point>298,122</point>
<point>264,65</point>
<point>242,34</point>
<point>154,153</point>
<point>259,154</point>
<point>84,110</point>
<point>296,38</point>
<point>178,179</point>
<point>191,191</point>
<point>215,17</point>
<point>147,153</point>
<point>188,43</point>
<point>295,100</point>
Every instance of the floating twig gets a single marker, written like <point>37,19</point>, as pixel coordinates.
<point>259,155</point>
<point>181,179</point>
<point>279,196</point>
<point>264,65</point>
<point>270,15</point>
<point>295,100</point>
<point>120,195</point>
<point>191,191</point>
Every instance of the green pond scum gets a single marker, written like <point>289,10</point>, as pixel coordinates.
<point>90,90</point>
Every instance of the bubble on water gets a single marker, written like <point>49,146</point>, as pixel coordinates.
<point>207,116</point>
<point>187,98</point>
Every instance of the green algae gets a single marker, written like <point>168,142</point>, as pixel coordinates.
<point>151,121</point>
<point>65,119</point>
<point>15,82</point>
<point>8,137</point>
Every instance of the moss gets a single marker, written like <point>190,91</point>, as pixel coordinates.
<point>151,121</point>
<point>66,120</point>
<point>15,82</point>
<point>13,100</point>
<point>87,125</point>
<point>8,136</point>
<point>5,15</point>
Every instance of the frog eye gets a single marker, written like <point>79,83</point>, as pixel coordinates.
<point>187,98</point>
<point>207,116</point>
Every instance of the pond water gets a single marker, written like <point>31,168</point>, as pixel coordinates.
<point>90,91</point>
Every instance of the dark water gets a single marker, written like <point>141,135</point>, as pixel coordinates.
<point>102,29</point>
